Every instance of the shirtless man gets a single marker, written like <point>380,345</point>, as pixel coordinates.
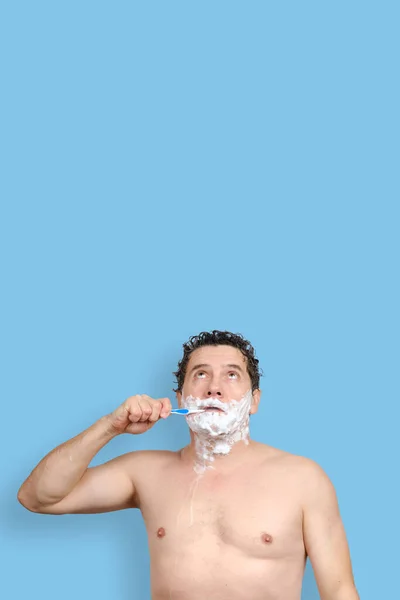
<point>227,518</point>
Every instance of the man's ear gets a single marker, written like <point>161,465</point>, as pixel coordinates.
<point>179,398</point>
<point>255,401</point>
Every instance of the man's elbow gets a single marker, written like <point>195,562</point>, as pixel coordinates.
<point>28,502</point>
<point>23,500</point>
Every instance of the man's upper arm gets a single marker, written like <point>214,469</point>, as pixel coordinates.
<point>103,488</point>
<point>325,537</point>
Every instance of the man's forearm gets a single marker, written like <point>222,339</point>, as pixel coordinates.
<point>59,471</point>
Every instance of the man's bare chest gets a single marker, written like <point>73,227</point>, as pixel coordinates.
<point>242,514</point>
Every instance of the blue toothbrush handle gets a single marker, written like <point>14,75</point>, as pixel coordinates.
<point>180,411</point>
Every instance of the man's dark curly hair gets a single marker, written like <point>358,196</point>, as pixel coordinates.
<point>219,338</point>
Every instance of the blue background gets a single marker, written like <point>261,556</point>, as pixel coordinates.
<point>172,167</point>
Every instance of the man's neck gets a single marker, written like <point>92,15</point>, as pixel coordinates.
<point>206,453</point>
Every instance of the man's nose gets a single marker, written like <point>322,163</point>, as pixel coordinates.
<point>214,389</point>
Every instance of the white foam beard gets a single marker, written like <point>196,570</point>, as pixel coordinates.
<point>216,432</point>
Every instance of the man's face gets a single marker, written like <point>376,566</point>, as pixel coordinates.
<point>218,372</point>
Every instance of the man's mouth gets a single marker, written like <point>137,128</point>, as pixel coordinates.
<point>209,408</point>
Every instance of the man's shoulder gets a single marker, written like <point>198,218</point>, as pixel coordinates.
<point>145,460</point>
<point>302,466</point>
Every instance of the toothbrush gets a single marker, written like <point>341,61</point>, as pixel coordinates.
<point>186,411</point>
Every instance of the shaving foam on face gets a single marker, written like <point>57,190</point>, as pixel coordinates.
<point>217,431</point>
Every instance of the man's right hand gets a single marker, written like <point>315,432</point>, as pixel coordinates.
<point>139,413</point>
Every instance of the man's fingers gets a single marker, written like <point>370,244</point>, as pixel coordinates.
<point>135,414</point>
<point>166,407</point>
<point>146,409</point>
<point>155,415</point>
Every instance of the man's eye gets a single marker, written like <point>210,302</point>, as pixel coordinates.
<point>199,374</point>
<point>232,375</point>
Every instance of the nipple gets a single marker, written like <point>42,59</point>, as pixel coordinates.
<point>266,538</point>
<point>161,532</point>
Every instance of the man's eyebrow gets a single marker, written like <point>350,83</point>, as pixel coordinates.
<point>200,366</point>
<point>233,366</point>
<point>204,365</point>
